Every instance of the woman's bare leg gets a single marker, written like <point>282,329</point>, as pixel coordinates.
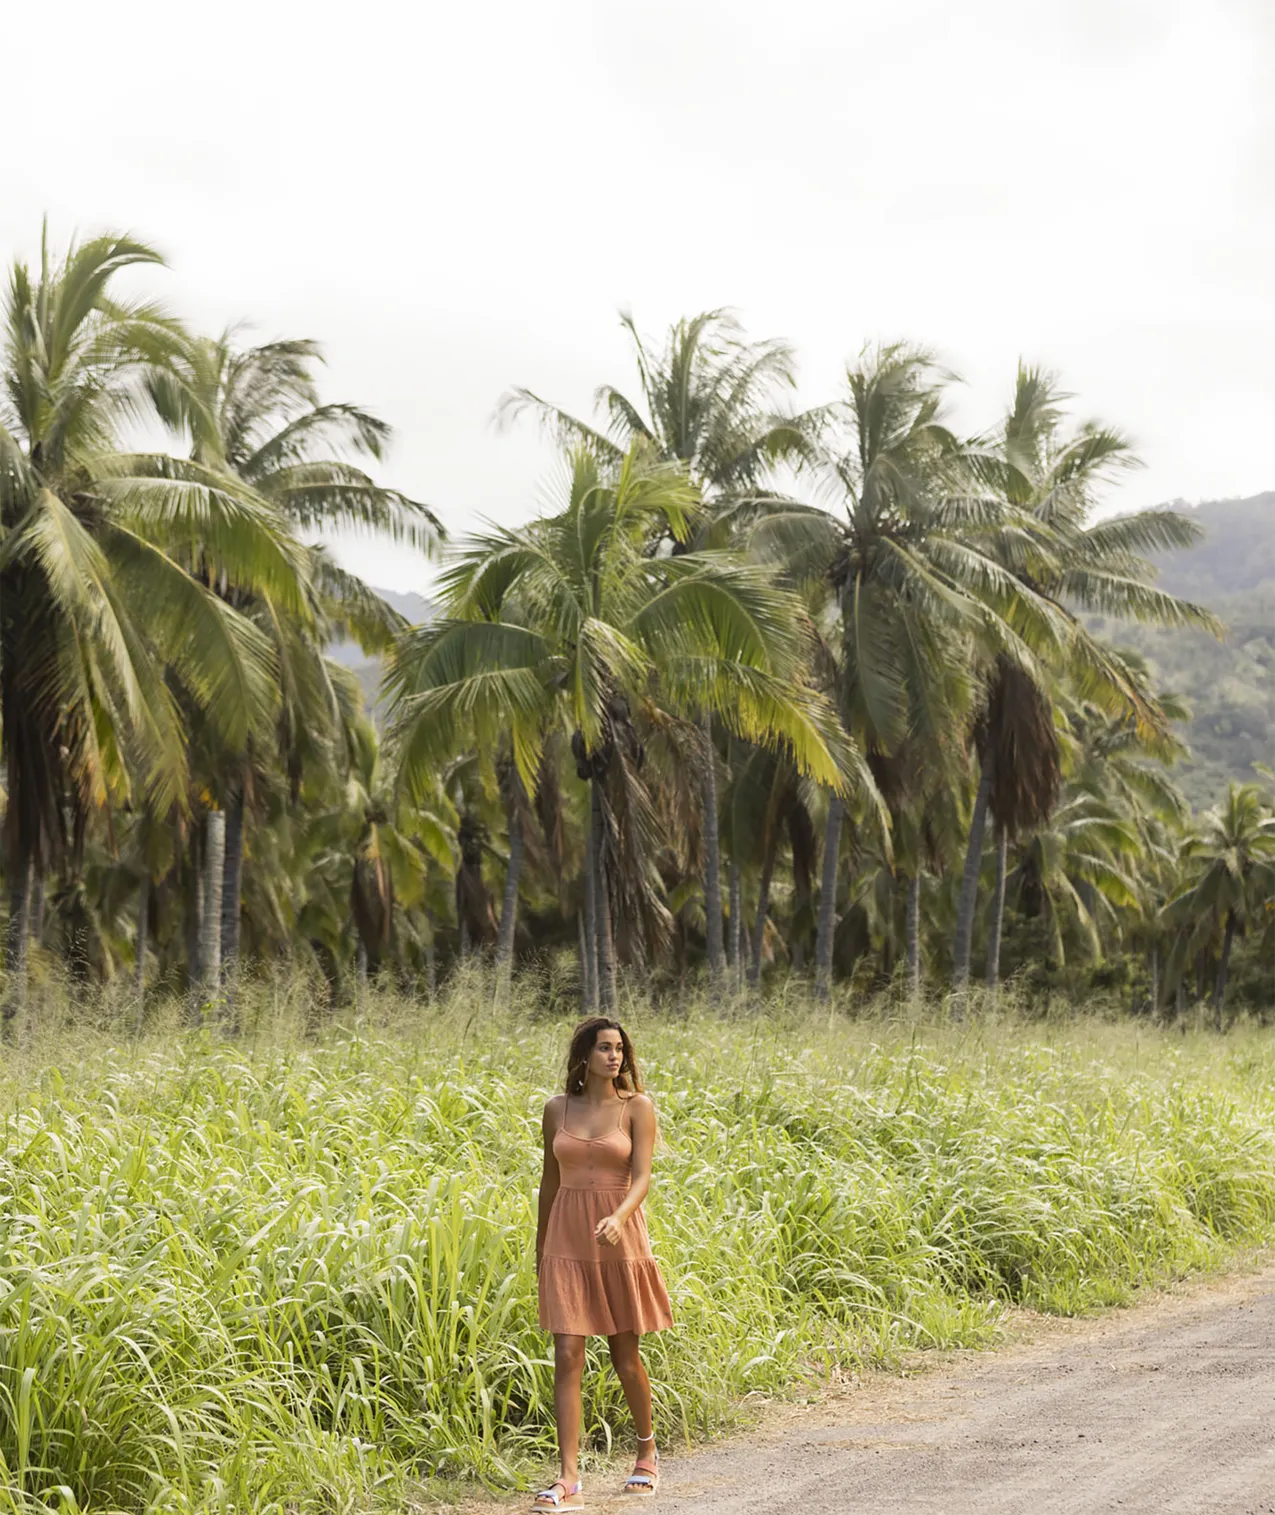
<point>627,1361</point>
<point>568,1366</point>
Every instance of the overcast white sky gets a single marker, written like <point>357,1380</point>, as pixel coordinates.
<point>457,198</point>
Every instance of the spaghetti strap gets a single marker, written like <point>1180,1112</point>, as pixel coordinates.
<point>619,1123</point>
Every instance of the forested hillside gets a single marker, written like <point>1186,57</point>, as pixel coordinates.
<point>1229,685</point>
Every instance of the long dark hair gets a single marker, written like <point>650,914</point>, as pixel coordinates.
<point>583,1039</point>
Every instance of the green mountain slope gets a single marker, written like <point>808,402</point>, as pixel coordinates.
<point>1229,685</point>
<point>415,608</point>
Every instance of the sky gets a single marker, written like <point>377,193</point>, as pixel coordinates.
<point>456,199</point>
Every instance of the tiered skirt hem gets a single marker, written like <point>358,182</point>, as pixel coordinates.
<point>603,1298</point>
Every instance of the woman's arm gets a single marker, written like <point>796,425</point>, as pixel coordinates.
<point>550,1177</point>
<point>642,1126</point>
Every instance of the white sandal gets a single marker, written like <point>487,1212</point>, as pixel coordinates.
<point>574,1493</point>
<point>643,1485</point>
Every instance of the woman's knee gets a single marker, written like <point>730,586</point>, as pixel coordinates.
<point>568,1353</point>
<point>625,1356</point>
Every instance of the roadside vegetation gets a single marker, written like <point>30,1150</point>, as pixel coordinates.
<point>293,1271</point>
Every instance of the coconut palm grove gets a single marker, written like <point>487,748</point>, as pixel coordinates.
<point>756,700</point>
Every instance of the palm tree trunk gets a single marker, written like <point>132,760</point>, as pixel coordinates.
<point>210,933</point>
<point>735,938</point>
<point>914,935</point>
<point>509,902</point>
<point>969,880</point>
<point>1155,977</point>
<point>582,941</point>
<point>712,859</point>
<point>431,965</point>
<point>17,937</point>
<point>143,931</point>
<point>589,942</point>
<point>602,905</point>
<point>194,925</point>
<point>828,896</point>
<point>763,907</point>
<point>232,886</point>
<point>998,911</point>
<point>36,934</point>
<point>1219,984</point>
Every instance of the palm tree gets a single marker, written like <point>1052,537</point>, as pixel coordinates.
<point>98,608</point>
<point>894,545</point>
<point>1231,860</point>
<point>1114,762</point>
<point>574,622</point>
<point>707,401</point>
<point>1077,871</point>
<point>1049,479</point>
<point>1086,862</point>
<point>255,414</point>
<point>924,788</point>
<point>766,800</point>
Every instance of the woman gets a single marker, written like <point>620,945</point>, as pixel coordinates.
<point>593,1255</point>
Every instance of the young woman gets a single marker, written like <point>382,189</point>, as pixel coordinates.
<point>593,1255</point>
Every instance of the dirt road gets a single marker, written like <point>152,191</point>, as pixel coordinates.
<point>1166,1408</point>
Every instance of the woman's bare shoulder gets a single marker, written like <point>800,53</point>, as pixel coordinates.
<point>640,1102</point>
<point>555,1104</point>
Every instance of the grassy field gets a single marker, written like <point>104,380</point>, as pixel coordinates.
<point>296,1273</point>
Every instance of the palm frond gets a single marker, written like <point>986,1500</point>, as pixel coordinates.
<point>326,426</point>
<point>563,428</point>
<point>350,607</point>
<point>1146,531</point>
<point>202,516</point>
<point>225,662</point>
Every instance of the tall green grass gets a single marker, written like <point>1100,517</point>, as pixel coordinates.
<point>298,1274</point>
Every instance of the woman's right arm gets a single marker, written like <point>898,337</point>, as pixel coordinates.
<point>550,1178</point>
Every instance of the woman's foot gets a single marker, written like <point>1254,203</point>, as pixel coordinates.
<point>643,1481</point>
<point>562,1494</point>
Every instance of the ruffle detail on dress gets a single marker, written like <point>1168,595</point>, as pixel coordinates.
<point>603,1298</point>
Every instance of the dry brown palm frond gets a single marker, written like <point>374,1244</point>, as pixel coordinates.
<point>1022,744</point>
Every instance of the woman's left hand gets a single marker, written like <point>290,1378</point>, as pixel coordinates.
<point>608,1230</point>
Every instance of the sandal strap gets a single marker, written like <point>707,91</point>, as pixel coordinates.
<point>650,1461</point>
<point>559,1483</point>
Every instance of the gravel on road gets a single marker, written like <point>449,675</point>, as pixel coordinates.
<point>1168,1407</point>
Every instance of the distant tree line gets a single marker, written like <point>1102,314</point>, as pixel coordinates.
<point>762,692</point>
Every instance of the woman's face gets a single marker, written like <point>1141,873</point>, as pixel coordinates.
<point>607,1054</point>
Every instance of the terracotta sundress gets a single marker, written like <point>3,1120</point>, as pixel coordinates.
<point>587,1287</point>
